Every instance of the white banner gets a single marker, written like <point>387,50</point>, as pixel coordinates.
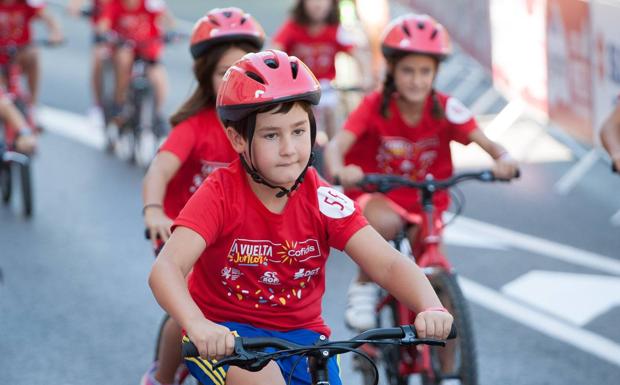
<point>605,21</point>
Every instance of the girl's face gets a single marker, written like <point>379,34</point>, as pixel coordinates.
<point>318,10</point>
<point>228,59</point>
<point>414,76</point>
<point>281,145</point>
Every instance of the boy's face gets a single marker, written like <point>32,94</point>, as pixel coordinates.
<point>281,145</point>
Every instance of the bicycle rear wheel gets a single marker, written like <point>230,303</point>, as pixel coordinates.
<point>464,367</point>
<point>26,185</point>
<point>6,182</point>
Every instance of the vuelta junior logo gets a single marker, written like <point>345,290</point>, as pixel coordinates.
<point>250,252</point>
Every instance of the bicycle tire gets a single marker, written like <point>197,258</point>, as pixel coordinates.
<point>466,370</point>
<point>26,185</point>
<point>6,182</point>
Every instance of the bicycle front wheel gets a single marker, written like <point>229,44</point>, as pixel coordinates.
<point>458,359</point>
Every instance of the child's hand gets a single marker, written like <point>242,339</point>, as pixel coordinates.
<point>350,175</point>
<point>157,224</point>
<point>213,341</point>
<point>433,323</point>
<point>505,167</point>
<point>26,144</point>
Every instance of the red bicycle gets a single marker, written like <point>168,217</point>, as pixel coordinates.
<point>458,360</point>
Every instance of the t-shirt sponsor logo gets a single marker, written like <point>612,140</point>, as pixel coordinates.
<point>230,273</point>
<point>299,251</point>
<point>250,252</point>
<point>270,278</point>
<point>303,273</point>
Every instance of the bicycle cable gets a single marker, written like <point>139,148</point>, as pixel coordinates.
<point>458,199</point>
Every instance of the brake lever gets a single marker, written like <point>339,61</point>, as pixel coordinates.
<point>252,361</point>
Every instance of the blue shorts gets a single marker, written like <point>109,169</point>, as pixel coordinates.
<point>204,372</point>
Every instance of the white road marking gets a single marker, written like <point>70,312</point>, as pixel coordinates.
<point>577,298</point>
<point>585,340</point>
<point>71,125</point>
<point>542,246</point>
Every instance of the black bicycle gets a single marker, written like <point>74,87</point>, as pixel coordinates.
<point>137,134</point>
<point>250,354</point>
<point>15,165</point>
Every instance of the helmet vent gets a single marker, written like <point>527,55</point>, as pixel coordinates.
<point>294,69</point>
<point>271,63</point>
<point>421,25</point>
<point>243,20</point>
<point>255,76</point>
<point>406,30</point>
<point>227,14</point>
<point>434,34</point>
<point>214,21</point>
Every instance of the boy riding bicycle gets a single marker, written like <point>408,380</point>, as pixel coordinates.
<point>257,233</point>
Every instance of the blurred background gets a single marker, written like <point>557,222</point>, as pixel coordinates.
<point>539,258</point>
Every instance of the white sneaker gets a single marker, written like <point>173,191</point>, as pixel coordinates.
<point>95,116</point>
<point>361,304</point>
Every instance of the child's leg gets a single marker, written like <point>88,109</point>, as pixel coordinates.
<point>98,56</point>
<point>157,76</point>
<point>169,354</point>
<point>362,293</point>
<point>270,375</point>
<point>28,60</point>
<point>123,60</point>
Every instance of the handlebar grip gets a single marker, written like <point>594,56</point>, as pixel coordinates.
<point>453,334</point>
<point>189,349</point>
<point>614,168</point>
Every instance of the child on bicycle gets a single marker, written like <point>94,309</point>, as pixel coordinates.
<point>256,234</point>
<point>15,32</point>
<point>314,34</point>
<point>196,146</point>
<point>404,129</point>
<point>137,27</point>
<point>610,136</point>
<point>17,133</point>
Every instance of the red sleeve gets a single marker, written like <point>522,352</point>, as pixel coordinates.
<point>181,141</point>
<point>342,216</point>
<point>204,212</point>
<point>358,121</point>
<point>284,36</point>
<point>461,120</point>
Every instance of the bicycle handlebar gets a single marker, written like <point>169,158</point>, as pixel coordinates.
<point>245,357</point>
<point>385,182</point>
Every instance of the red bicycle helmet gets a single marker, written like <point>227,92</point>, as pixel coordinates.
<point>265,78</point>
<point>260,80</point>
<point>224,25</point>
<point>414,33</point>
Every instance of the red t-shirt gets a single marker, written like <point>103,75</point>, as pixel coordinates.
<point>139,23</point>
<point>391,146</point>
<point>15,21</point>
<point>318,52</point>
<point>201,145</point>
<point>262,268</point>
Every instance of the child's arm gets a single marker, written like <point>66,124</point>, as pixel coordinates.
<point>163,167</point>
<point>334,159</point>
<point>402,278</point>
<point>610,136</point>
<point>53,27</point>
<point>74,7</point>
<point>168,283</point>
<point>505,166</point>
<point>166,20</point>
